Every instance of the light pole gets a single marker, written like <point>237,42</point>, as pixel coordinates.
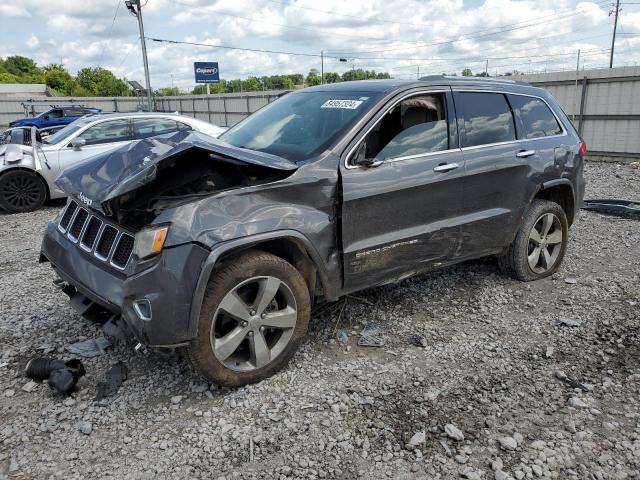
<point>131,6</point>
<point>615,27</point>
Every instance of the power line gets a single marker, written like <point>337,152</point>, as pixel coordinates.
<point>196,44</point>
<point>104,47</point>
<point>477,34</point>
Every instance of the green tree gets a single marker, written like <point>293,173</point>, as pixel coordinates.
<point>168,91</point>
<point>467,72</point>
<point>313,78</point>
<point>101,82</point>
<point>252,84</point>
<point>57,78</point>
<point>6,77</point>
<point>20,66</point>
<point>332,77</point>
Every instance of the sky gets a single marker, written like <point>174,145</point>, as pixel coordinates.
<point>406,38</point>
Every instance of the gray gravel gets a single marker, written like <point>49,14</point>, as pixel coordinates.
<point>486,397</point>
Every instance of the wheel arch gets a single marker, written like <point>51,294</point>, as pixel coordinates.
<point>289,245</point>
<point>26,169</point>
<point>561,192</point>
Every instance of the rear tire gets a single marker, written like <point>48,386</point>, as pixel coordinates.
<point>21,191</point>
<point>254,316</point>
<point>540,244</point>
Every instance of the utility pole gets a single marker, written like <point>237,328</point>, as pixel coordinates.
<point>615,27</point>
<point>486,68</point>
<point>575,98</point>
<point>131,6</point>
<point>418,77</point>
<point>322,67</point>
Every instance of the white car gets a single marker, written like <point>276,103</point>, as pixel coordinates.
<point>28,172</point>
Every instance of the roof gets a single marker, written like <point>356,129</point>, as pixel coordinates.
<point>382,86</point>
<point>22,89</point>
<point>131,114</point>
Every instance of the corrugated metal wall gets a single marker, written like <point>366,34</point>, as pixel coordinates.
<point>604,105</point>
<point>223,110</point>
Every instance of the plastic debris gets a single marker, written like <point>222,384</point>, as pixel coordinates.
<point>60,375</point>
<point>571,280</point>
<point>372,335</point>
<point>573,383</point>
<point>567,322</point>
<point>342,337</point>
<point>114,378</point>
<point>613,207</point>
<point>92,347</point>
<point>418,340</point>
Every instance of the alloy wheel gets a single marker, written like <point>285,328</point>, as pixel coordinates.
<point>545,243</point>
<point>253,323</point>
<point>21,192</point>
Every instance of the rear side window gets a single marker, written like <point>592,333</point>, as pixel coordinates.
<point>150,127</point>
<point>534,116</point>
<point>486,118</point>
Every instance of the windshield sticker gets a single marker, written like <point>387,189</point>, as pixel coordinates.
<point>349,104</point>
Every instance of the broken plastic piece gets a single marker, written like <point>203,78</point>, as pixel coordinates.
<point>61,376</point>
<point>612,206</point>
<point>372,335</point>
<point>567,322</point>
<point>114,378</point>
<point>92,347</point>
<point>418,340</point>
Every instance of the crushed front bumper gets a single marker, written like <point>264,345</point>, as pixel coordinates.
<point>153,297</point>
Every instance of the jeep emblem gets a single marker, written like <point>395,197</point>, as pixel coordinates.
<point>85,200</point>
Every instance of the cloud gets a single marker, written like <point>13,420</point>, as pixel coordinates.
<point>389,35</point>
<point>33,41</point>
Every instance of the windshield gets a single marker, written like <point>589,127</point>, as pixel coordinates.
<point>63,133</point>
<point>300,124</point>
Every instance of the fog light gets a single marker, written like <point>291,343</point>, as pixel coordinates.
<point>142,307</point>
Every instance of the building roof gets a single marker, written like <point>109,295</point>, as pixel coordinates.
<point>24,89</point>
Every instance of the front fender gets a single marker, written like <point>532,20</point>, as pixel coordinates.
<point>17,156</point>
<point>247,242</point>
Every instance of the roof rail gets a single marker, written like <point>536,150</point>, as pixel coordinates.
<point>473,79</point>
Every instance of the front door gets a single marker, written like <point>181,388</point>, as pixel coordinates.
<point>400,213</point>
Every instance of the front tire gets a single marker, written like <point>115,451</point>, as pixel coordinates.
<point>21,191</point>
<point>254,316</point>
<point>540,244</point>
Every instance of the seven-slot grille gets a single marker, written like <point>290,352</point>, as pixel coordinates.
<point>107,242</point>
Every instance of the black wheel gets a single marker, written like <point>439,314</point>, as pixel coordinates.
<point>254,316</point>
<point>540,244</point>
<point>21,191</point>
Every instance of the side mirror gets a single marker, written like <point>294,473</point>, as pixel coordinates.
<point>360,159</point>
<point>46,117</point>
<point>78,143</point>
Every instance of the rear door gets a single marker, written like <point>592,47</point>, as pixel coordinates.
<point>401,216</point>
<point>497,171</point>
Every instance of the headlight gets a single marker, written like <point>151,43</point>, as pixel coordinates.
<point>149,242</point>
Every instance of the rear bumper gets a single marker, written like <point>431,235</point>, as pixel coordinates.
<point>166,285</point>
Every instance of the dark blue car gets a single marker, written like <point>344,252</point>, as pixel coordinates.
<point>54,117</point>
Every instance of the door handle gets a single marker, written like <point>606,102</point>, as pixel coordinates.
<point>445,167</point>
<point>525,153</point>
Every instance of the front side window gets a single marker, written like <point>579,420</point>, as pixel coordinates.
<point>417,125</point>
<point>54,114</point>
<point>150,127</point>
<point>301,124</point>
<point>534,116</point>
<point>107,132</point>
<point>486,118</point>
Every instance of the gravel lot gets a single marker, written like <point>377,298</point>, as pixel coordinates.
<point>480,400</point>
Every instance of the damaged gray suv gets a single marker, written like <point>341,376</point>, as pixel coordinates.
<point>221,246</point>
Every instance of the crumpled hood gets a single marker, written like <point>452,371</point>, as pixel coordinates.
<point>112,174</point>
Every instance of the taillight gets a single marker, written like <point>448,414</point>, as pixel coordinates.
<point>583,149</point>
